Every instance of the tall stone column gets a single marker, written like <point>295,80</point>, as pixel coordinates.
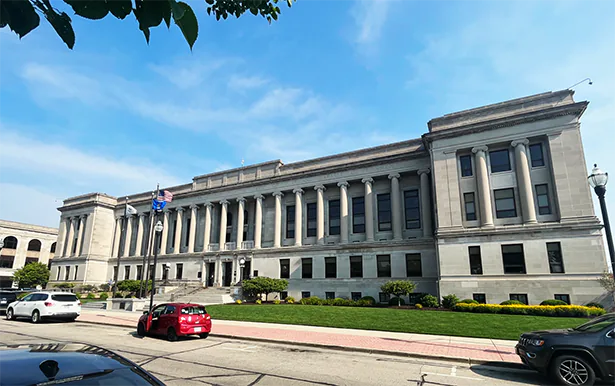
<point>61,241</point>
<point>396,211</point>
<point>192,235</point>
<point>344,219</point>
<point>320,214</point>
<point>71,236</point>
<point>223,213</point>
<point>118,233</point>
<point>218,268</point>
<point>369,209</point>
<point>241,204</point>
<point>81,231</point>
<point>127,238</point>
<point>425,203</point>
<point>178,230</point>
<point>298,216</point>
<point>207,235</point>
<point>237,269</point>
<point>277,228</point>
<point>164,241</point>
<point>482,181</point>
<point>524,180</point>
<point>258,221</point>
<point>140,230</point>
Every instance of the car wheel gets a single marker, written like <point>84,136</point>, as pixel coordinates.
<point>9,314</point>
<point>573,370</point>
<point>141,329</point>
<point>36,316</point>
<point>204,335</point>
<point>171,335</point>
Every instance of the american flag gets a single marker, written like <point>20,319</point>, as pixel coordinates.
<point>164,195</point>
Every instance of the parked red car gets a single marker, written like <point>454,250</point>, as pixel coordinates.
<point>175,319</point>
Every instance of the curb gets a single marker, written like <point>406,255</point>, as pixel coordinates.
<point>466,362</point>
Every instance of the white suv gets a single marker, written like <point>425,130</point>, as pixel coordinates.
<point>51,305</point>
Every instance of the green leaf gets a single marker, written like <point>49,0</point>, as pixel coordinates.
<point>90,9</point>
<point>20,16</point>
<point>62,24</point>
<point>176,10</point>
<point>289,2</point>
<point>188,24</point>
<point>120,8</point>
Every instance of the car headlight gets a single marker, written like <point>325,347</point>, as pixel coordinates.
<point>536,342</point>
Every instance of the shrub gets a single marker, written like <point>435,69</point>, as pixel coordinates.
<point>312,301</point>
<point>78,295</point>
<point>105,287</point>
<point>88,287</point>
<point>258,301</point>
<point>516,309</point>
<point>262,285</point>
<point>104,296</point>
<point>511,303</point>
<point>593,304</point>
<point>553,302</point>
<point>277,301</point>
<point>90,296</point>
<point>65,285</point>
<point>418,306</point>
<point>449,301</point>
<point>369,299</point>
<point>428,300</point>
<point>468,301</point>
<point>397,302</point>
<point>289,300</point>
<point>398,288</point>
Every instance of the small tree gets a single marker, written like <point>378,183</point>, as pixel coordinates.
<point>607,281</point>
<point>398,288</point>
<point>31,275</point>
<point>262,285</point>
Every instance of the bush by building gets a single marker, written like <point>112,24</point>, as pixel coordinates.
<point>553,302</point>
<point>449,301</point>
<point>398,288</point>
<point>592,304</point>
<point>516,309</point>
<point>397,302</point>
<point>429,301</point>
<point>511,303</point>
<point>369,299</point>
<point>468,301</point>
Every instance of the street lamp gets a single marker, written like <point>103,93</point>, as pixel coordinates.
<point>157,230</point>
<point>598,180</point>
<point>242,264</point>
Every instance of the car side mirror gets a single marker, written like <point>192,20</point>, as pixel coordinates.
<point>145,312</point>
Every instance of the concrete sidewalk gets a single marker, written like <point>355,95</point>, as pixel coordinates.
<point>466,350</point>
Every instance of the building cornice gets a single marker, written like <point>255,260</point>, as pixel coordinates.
<point>453,233</point>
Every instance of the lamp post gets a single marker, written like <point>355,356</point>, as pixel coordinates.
<point>157,230</point>
<point>598,180</point>
<point>242,264</point>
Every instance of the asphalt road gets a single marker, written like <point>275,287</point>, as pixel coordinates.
<point>215,361</point>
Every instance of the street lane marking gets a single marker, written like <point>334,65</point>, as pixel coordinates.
<point>451,375</point>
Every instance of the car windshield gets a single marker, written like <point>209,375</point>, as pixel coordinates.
<point>596,324</point>
<point>194,310</point>
<point>64,298</point>
<point>8,295</point>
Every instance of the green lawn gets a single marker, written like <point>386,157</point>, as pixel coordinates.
<point>397,320</point>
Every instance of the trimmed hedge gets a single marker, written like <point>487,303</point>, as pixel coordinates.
<point>369,299</point>
<point>429,301</point>
<point>316,301</point>
<point>449,301</point>
<point>592,304</point>
<point>567,311</point>
<point>468,301</point>
<point>553,302</point>
<point>511,303</point>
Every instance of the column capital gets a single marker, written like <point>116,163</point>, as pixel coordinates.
<point>394,175</point>
<point>298,191</point>
<point>142,214</point>
<point>259,197</point>
<point>343,183</point>
<point>117,217</point>
<point>194,206</point>
<point>367,180</point>
<point>482,148</point>
<point>320,187</point>
<point>83,216</point>
<point>520,141</point>
<point>223,202</point>
<point>208,205</point>
<point>166,210</point>
<point>180,209</point>
<point>423,171</point>
<point>278,194</point>
<point>241,199</point>
<point>128,215</point>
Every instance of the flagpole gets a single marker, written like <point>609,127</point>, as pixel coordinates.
<point>148,243</point>
<point>122,240</point>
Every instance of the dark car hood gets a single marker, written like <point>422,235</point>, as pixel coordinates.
<point>551,332</point>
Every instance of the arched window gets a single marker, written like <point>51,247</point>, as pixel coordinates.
<point>229,219</point>
<point>34,245</point>
<point>245,217</point>
<point>53,248</point>
<point>10,242</point>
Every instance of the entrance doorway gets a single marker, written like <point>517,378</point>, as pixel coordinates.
<point>227,273</point>
<point>210,271</point>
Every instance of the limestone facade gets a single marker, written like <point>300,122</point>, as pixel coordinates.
<point>496,194</point>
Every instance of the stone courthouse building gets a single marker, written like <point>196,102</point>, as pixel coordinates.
<point>491,203</point>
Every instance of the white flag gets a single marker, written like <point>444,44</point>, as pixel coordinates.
<point>130,210</point>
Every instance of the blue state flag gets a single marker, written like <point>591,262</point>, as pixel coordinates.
<point>158,205</point>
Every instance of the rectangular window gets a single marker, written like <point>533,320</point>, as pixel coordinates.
<point>481,298</point>
<point>542,196</point>
<point>330,267</point>
<point>476,264</point>
<point>334,217</point>
<point>179,271</point>
<point>413,265</point>
<point>505,203</point>
<point>470,206</point>
<point>383,263</point>
<point>556,261</point>
<point>285,268</point>
<point>384,212</point>
<point>311,219</point>
<point>355,296</point>
<point>519,297</point>
<point>283,295</point>
<point>57,274</point>
<point>173,235</point>
<point>514,259</point>
<point>330,295</point>
<point>290,222</point>
<point>151,271</point>
<point>358,215</point>
<point>127,272</point>
<point>356,266</point>
<point>76,271</point>
<point>563,297</point>
<point>413,213</point>
<point>67,273</point>
<point>7,261</point>
<point>536,155</point>
<point>30,260</point>
<point>139,271</point>
<point>383,298</point>
<point>466,165</point>
<point>305,294</point>
<point>306,268</point>
<point>500,161</point>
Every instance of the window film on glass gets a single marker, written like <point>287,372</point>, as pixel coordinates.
<point>466,165</point>
<point>355,296</point>
<point>563,297</point>
<point>413,265</point>
<point>305,294</point>
<point>519,297</point>
<point>513,258</point>
<point>330,267</point>
<point>334,217</point>
<point>383,263</point>
<point>536,155</point>
<point>500,161</point>
<point>556,261</point>
<point>356,266</point>
<point>542,197</point>
<point>411,205</point>
<point>330,295</point>
<point>290,222</point>
<point>358,215</point>
<point>311,219</point>
<point>481,298</point>
<point>505,203</point>
<point>306,268</point>
<point>284,268</point>
<point>470,206</point>
<point>476,264</point>
<point>384,212</point>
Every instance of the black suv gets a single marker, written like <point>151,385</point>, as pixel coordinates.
<point>576,356</point>
<point>7,297</point>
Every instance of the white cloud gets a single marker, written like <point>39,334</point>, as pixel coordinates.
<point>243,83</point>
<point>370,17</point>
<point>29,205</point>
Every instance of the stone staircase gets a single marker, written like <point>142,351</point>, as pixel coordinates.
<point>196,294</point>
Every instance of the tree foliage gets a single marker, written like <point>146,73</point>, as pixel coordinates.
<point>607,281</point>
<point>132,286</point>
<point>398,288</point>
<point>31,275</point>
<point>22,16</point>
<point>262,285</point>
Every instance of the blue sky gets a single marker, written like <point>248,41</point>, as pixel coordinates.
<point>117,116</point>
